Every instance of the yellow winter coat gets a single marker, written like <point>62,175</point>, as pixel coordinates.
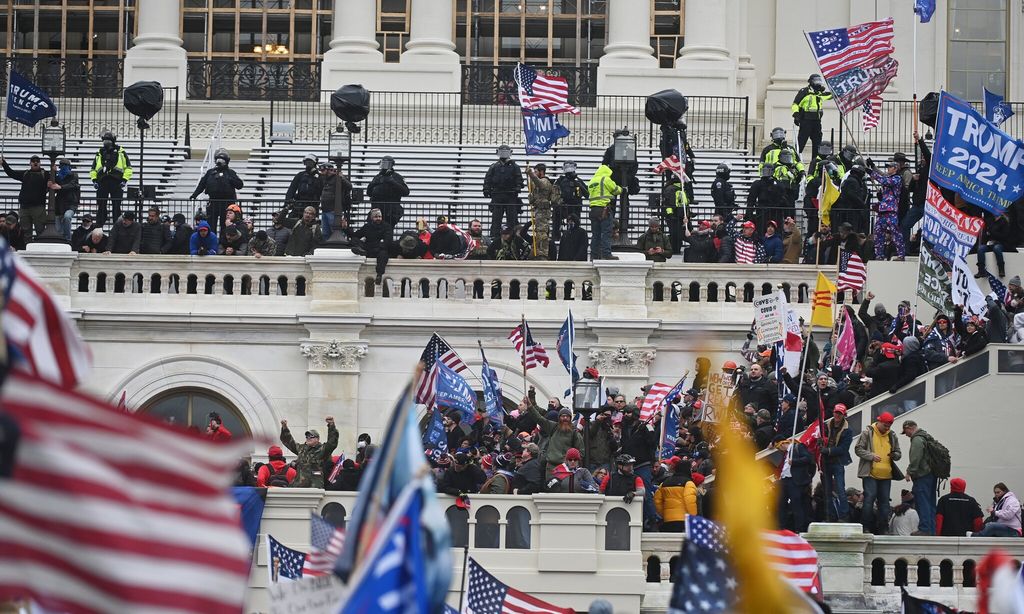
<point>676,498</point>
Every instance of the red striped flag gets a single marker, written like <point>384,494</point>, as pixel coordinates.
<point>486,594</point>
<point>98,515</point>
<point>746,251</point>
<point>871,113</point>
<point>437,350</point>
<point>534,353</point>
<point>326,542</point>
<point>537,91</point>
<point>46,340</point>
<point>670,163</point>
<point>842,49</point>
<point>654,400</point>
<point>853,274</point>
<point>794,558</point>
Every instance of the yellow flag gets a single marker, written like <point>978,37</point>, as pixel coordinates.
<point>746,508</point>
<point>821,315</point>
<point>829,195</point>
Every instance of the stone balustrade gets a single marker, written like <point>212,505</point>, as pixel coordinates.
<point>339,281</point>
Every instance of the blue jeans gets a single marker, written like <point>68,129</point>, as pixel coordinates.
<point>994,529</point>
<point>876,490</point>
<point>600,234</point>
<point>924,503</point>
<point>63,223</point>
<point>838,506</point>
<point>913,216</point>
<point>995,248</point>
<point>327,224</point>
<point>650,512</point>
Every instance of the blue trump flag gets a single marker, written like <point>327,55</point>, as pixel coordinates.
<point>924,9</point>
<point>453,391</point>
<point>435,437</point>
<point>492,393</point>
<point>398,463</point>
<point>394,577</point>
<point>542,130</point>
<point>564,347</point>
<point>975,158</point>
<point>26,103</point>
<point>996,111</point>
<point>250,502</point>
<point>668,441</point>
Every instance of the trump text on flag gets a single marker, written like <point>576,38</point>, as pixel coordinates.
<point>950,231</point>
<point>974,158</point>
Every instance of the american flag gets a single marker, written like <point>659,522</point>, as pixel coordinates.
<point>871,113</point>
<point>283,563</point>
<point>44,341</point>
<point>705,580</point>
<point>470,242</point>
<point>670,163</point>
<point>437,349</point>
<point>336,470</point>
<point>745,250</point>
<point>486,594</point>
<point>98,516</point>
<point>843,49</point>
<point>537,91</point>
<point>852,272</point>
<point>654,400</point>
<point>326,542</point>
<point>533,353</point>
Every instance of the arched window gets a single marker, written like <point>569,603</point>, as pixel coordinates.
<point>188,407</point>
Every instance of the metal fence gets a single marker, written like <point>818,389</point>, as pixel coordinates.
<point>895,130</point>
<point>715,122</point>
<point>253,80</point>
<point>69,77</point>
<point>85,115</point>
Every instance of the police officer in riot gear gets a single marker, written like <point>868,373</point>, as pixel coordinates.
<point>304,190</point>
<point>110,173</point>
<point>386,191</point>
<point>770,154</point>
<point>722,192</point>
<point>788,177</point>
<point>808,108</point>
<point>221,184</point>
<point>573,191</point>
<point>826,162</point>
<point>765,197</point>
<point>502,184</point>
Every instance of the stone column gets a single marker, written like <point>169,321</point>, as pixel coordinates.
<point>705,62</point>
<point>793,63</point>
<point>628,66</point>
<point>354,53</point>
<point>430,48</point>
<point>333,383</point>
<point>841,555</point>
<point>157,54</point>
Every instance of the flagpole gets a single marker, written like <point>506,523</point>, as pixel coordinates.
<point>7,97</point>
<point>465,564</point>
<point>572,360</point>
<point>842,116</point>
<point>526,388</point>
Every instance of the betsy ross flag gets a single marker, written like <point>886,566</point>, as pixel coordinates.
<point>437,350</point>
<point>857,61</point>
<point>853,274</point>
<point>129,532</point>
<point>42,340</point>
<point>326,542</point>
<point>871,113</point>
<point>485,594</point>
<point>537,91</point>
<point>532,353</point>
<point>654,400</point>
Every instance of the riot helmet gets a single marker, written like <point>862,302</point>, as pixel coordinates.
<point>387,163</point>
<point>108,138</point>
<point>825,149</point>
<point>504,152</point>
<point>767,170</point>
<point>786,157</point>
<point>569,168</point>
<point>778,135</point>
<point>723,170</point>
<point>816,81</point>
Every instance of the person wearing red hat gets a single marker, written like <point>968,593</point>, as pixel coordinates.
<point>570,477</point>
<point>958,512</point>
<point>835,456</point>
<point>878,450</point>
<point>746,246</point>
<point>277,471</point>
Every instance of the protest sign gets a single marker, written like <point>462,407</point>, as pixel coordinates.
<point>951,232</point>
<point>933,281</point>
<point>770,321</point>
<point>312,595</point>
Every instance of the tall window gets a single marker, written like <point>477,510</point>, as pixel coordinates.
<point>188,407</point>
<point>977,47</point>
<point>265,30</point>
<point>67,28</point>
<point>667,30</point>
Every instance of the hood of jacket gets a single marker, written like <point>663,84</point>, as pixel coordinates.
<point>602,172</point>
<point>910,345</point>
<point>202,224</point>
<point>1018,321</point>
<point>957,485</point>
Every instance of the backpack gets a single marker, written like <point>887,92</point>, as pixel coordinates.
<point>278,477</point>
<point>938,458</point>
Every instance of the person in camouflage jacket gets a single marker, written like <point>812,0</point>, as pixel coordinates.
<point>311,455</point>
<point>544,197</point>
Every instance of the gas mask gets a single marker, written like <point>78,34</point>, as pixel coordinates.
<point>817,83</point>
<point>569,168</point>
<point>504,153</point>
<point>220,162</point>
<point>778,136</point>
<point>387,164</point>
<point>108,144</point>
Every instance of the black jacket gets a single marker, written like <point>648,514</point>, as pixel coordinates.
<point>387,187</point>
<point>762,393</point>
<point>155,238</point>
<point>639,442</point>
<point>724,196</point>
<point>67,197</point>
<point>467,481</point>
<point>573,246</point>
<point>33,186</point>
<point>125,239</point>
<point>529,479</point>
<point>802,465</point>
<point>573,190</point>
<point>912,365</point>
<point>503,182</point>
<point>219,184</point>
<point>445,243</point>
<point>179,242</point>
<point>375,237</point>
<point>80,234</point>
<point>328,198</point>
<point>305,188</point>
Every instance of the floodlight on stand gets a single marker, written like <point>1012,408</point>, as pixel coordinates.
<point>54,143</point>
<point>624,151</point>
<point>54,139</point>
<point>339,144</point>
<point>587,395</point>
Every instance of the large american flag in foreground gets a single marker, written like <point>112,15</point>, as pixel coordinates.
<point>45,342</point>
<point>100,514</point>
<point>534,353</point>
<point>437,349</point>
<point>488,595</point>
<point>326,542</point>
<point>537,91</point>
<point>853,273</point>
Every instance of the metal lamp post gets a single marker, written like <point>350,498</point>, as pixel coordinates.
<point>339,150</point>
<point>586,394</point>
<point>54,142</point>
<point>624,158</point>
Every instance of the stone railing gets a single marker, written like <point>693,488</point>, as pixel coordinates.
<point>338,281</point>
<point>557,547</point>
<point>859,571</point>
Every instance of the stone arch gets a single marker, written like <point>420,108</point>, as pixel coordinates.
<point>205,373</point>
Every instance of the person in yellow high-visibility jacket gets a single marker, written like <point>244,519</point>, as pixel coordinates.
<point>603,191</point>
<point>110,173</point>
<point>807,112</point>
